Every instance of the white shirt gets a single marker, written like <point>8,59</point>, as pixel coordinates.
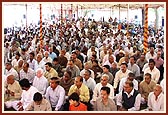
<point>31,49</point>
<point>29,75</point>
<point>41,84</point>
<point>90,83</point>
<point>83,71</point>
<point>149,56</point>
<point>107,63</point>
<point>156,105</point>
<point>106,57</point>
<point>89,53</point>
<point>122,82</point>
<point>136,104</point>
<point>102,54</point>
<point>162,85</point>
<point>49,59</point>
<point>67,55</point>
<point>41,64</point>
<point>32,64</point>
<point>119,75</point>
<point>129,51</point>
<point>15,62</point>
<point>84,56</point>
<point>56,97</point>
<point>27,96</point>
<point>145,66</point>
<point>96,91</point>
<point>155,73</point>
<point>12,71</point>
<point>135,69</point>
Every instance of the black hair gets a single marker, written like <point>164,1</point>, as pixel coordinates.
<point>124,64</point>
<point>74,53</point>
<point>55,79</point>
<point>95,61</point>
<point>130,74</point>
<point>74,96</point>
<point>71,60</point>
<point>133,57</point>
<point>151,61</point>
<point>69,72</point>
<point>107,66</point>
<point>55,59</point>
<point>94,56</point>
<point>77,48</point>
<point>9,63</point>
<point>148,74</point>
<point>18,54</point>
<point>24,83</point>
<point>88,71</point>
<point>80,78</point>
<point>107,89</point>
<point>23,49</point>
<point>37,96</point>
<point>27,64</point>
<point>49,64</point>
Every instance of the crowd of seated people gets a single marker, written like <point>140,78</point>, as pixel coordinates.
<point>87,67</point>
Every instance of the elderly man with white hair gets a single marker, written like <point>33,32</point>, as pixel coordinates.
<point>12,92</point>
<point>103,82</point>
<point>156,99</point>
<point>40,82</point>
<point>46,57</point>
<point>39,63</point>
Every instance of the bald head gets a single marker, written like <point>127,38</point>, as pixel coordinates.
<point>10,79</point>
<point>157,90</point>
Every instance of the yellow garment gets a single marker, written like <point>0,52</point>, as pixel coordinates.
<point>84,92</point>
<point>51,73</point>
<point>15,87</point>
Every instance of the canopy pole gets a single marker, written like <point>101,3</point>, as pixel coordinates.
<point>41,28</point>
<point>157,19</point>
<point>26,16</point>
<point>119,12</point>
<point>61,14</point>
<point>127,20</point>
<point>77,11</point>
<point>145,43</point>
<point>71,14</point>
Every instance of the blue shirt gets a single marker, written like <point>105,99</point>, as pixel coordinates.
<point>52,55</point>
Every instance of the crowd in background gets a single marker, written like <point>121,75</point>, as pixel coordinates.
<point>84,65</point>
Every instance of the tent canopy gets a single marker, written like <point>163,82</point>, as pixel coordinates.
<point>93,5</point>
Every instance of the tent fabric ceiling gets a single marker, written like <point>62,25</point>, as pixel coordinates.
<point>125,6</point>
<point>94,5</point>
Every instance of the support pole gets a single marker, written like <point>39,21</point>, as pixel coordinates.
<point>110,11</point>
<point>119,25</point>
<point>71,14</point>
<point>119,12</point>
<point>145,43</point>
<point>77,11</point>
<point>61,15</point>
<point>157,19</point>
<point>143,14</point>
<point>26,16</point>
<point>128,20</point>
<point>41,28</point>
